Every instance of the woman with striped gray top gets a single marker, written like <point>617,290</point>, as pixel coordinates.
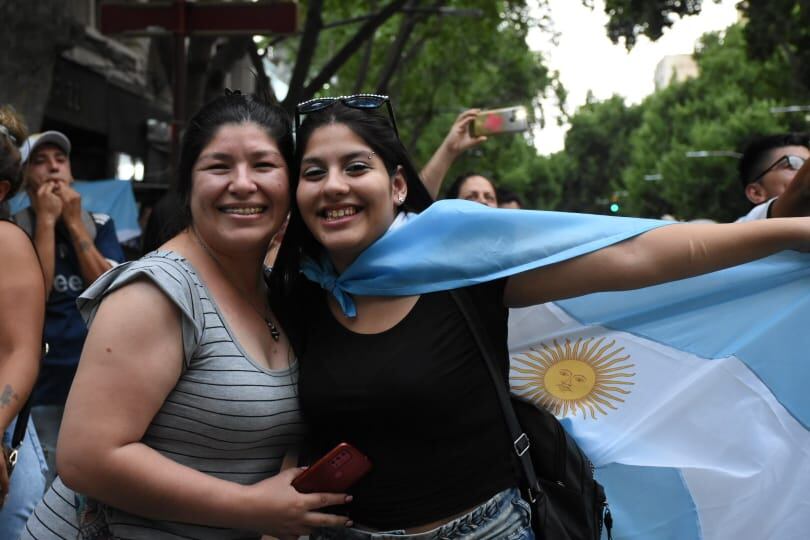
<point>185,399</point>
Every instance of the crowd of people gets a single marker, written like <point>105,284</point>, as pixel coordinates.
<point>178,390</point>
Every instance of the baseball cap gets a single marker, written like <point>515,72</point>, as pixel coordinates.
<point>46,137</point>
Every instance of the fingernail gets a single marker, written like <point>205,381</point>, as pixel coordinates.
<point>349,498</point>
<point>349,523</point>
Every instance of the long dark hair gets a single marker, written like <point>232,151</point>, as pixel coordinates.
<point>290,292</point>
<point>232,108</point>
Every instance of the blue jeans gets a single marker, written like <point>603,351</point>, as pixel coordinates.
<point>27,483</point>
<point>48,418</point>
<point>506,516</point>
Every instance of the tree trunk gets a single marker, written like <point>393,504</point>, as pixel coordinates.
<point>366,31</point>
<point>199,55</point>
<point>306,50</point>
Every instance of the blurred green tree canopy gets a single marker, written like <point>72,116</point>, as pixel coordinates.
<point>436,59</point>
<point>638,154</point>
<point>773,27</point>
<point>728,103</point>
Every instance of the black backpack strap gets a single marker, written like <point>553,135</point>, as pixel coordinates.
<point>20,426</point>
<point>520,441</point>
<point>22,423</point>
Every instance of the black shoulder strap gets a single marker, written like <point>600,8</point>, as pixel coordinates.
<point>520,441</point>
<point>22,423</point>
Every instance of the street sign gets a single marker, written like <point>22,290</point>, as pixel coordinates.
<point>192,18</point>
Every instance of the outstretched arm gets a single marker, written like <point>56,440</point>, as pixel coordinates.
<point>458,140</point>
<point>795,201</point>
<point>663,254</point>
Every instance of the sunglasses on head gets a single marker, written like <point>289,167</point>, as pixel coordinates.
<point>356,101</point>
<point>791,162</point>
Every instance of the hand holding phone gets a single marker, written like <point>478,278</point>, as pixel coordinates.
<point>497,121</point>
<point>335,472</point>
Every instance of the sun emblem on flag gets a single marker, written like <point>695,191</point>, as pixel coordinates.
<point>588,376</point>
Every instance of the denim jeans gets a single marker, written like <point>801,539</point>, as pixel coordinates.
<point>506,516</point>
<point>27,483</point>
<point>48,418</point>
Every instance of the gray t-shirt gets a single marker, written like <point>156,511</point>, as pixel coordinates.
<point>227,416</point>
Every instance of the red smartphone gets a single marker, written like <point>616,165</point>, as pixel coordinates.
<point>335,472</point>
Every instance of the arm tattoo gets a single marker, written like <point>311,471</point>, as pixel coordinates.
<point>84,245</point>
<point>6,395</point>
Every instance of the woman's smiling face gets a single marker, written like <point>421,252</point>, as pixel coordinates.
<point>240,188</point>
<point>345,194</point>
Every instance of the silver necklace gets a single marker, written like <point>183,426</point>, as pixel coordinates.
<point>274,331</point>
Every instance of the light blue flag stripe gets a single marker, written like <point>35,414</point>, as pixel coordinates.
<point>456,243</point>
<point>649,502</point>
<point>739,455</point>
<point>112,197</point>
<point>756,312</point>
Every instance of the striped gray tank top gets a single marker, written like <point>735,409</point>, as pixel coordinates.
<point>227,416</point>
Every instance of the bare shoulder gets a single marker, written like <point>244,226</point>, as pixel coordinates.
<point>18,253</point>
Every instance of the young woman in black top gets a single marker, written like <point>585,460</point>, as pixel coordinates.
<point>403,380</point>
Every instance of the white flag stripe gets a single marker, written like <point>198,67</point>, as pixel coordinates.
<point>740,452</point>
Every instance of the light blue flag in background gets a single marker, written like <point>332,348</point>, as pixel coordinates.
<point>691,397</point>
<point>112,197</point>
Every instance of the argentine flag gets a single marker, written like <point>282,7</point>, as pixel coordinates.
<point>690,398</point>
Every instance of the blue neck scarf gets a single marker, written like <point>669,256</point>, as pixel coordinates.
<point>457,243</point>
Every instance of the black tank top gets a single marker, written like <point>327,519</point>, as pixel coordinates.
<point>417,399</point>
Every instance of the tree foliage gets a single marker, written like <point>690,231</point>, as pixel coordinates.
<point>639,153</point>
<point>780,28</point>
<point>435,66</point>
<point>718,111</point>
<point>597,148</point>
<point>773,27</point>
<point>628,19</point>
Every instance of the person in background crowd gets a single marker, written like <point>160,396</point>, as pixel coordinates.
<point>457,141</point>
<point>509,199</point>
<point>474,187</point>
<point>22,311</point>
<point>470,186</point>
<point>75,247</point>
<point>776,176</point>
<point>185,401</point>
